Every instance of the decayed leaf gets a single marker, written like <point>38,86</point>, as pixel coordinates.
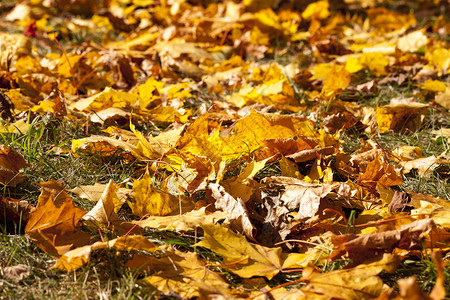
<point>12,162</point>
<point>407,237</point>
<point>15,273</point>
<point>14,211</point>
<point>356,283</point>
<point>78,257</point>
<point>54,223</point>
<point>235,207</point>
<point>399,202</point>
<point>301,195</point>
<point>177,272</point>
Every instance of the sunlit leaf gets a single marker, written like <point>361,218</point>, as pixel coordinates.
<point>54,223</point>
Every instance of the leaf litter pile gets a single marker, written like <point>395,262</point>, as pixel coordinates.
<point>280,149</point>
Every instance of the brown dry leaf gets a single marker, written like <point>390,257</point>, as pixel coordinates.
<point>54,223</point>
<point>235,207</point>
<point>369,152</point>
<point>12,162</point>
<point>9,178</point>
<point>380,171</point>
<point>399,202</point>
<point>15,273</point>
<point>78,257</point>
<point>14,211</point>
<point>299,195</point>
<point>287,146</point>
<point>311,154</point>
<point>356,283</point>
<point>409,237</point>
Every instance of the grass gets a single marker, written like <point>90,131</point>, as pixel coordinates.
<point>104,277</point>
<point>46,147</point>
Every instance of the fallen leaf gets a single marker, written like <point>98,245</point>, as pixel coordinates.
<point>12,162</point>
<point>359,282</point>
<point>380,171</point>
<point>177,272</point>
<point>184,222</point>
<point>298,194</point>
<point>14,212</point>
<point>241,257</point>
<point>94,193</point>
<point>149,200</point>
<point>54,224</point>
<point>235,207</point>
<point>76,258</point>
<point>103,214</point>
<point>399,202</point>
<point>409,237</point>
<point>15,273</point>
<point>400,117</point>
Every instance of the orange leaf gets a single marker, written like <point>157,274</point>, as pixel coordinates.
<point>54,223</point>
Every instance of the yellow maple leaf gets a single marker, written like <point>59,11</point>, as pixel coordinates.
<point>434,85</point>
<point>178,272</point>
<point>147,199</point>
<point>439,59</point>
<point>149,92</point>
<point>400,117</point>
<point>355,283</point>
<point>317,10</point>
<point>337,78</point>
